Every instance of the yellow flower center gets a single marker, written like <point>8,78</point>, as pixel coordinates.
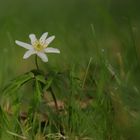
<point>38,46</point>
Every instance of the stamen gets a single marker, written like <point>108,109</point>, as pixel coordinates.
<point>38,46</point>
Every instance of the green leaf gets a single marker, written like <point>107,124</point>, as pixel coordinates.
<point>48,83</point>
<point>3,118</point>
<point>41,78</point>
<point>18,82</point>
<point>37,94</point>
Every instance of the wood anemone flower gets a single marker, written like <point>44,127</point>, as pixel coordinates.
<point>38,47</point>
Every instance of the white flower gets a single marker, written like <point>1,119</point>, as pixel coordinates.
<point>38,47</point>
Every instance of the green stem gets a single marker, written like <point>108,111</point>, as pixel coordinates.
<point>54,98</point>
<point>57,109</point>
<point>36,62</point>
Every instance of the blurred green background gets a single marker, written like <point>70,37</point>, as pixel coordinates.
<point>71,22</point>
<point>83,29</point>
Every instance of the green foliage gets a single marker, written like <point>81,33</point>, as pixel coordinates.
<point>95,79</point>
<point>17,83</point>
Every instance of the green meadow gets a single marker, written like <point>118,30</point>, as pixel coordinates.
<point>91,90</point>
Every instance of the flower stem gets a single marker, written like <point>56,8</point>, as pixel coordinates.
<point>57,109</point>
<point>54,98</point>
<point>36,62</point>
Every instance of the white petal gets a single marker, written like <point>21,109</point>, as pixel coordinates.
<point>24,45</point>
<point>49,40</point>
<point>43,38</point>
<point>32,38</point>
<point>52,50</point>
<point>43,56</point>
<point>28,53</point>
